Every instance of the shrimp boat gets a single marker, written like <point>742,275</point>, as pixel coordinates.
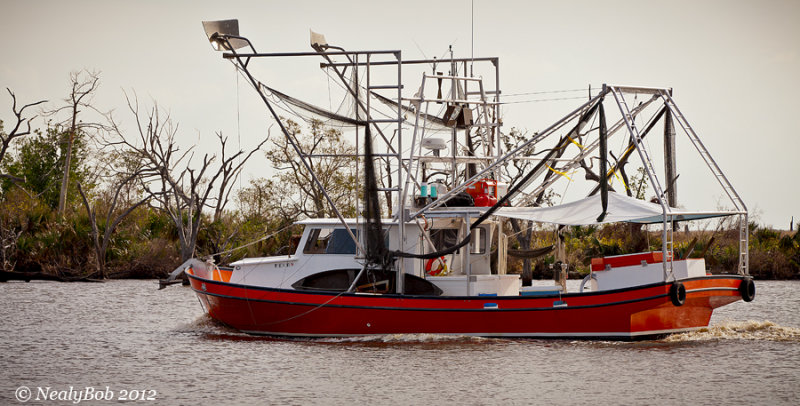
<point>439,263</point>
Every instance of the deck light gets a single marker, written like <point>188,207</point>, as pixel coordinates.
<point>224,35</point>
<point>318,40</point>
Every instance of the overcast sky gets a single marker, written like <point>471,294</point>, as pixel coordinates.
<point>734,65</point>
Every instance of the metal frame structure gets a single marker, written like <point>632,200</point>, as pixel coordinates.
<point>407,168</point>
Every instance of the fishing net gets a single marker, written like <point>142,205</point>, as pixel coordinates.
<point>308,111</point>
<point>377,255</point>
<point>531,254</point>
<point>603,156</point>
<point>437,122</point>
<point>317,112</point>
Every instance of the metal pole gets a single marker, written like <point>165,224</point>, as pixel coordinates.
<point>401,204</point>
<point>466,265</point>
<point>496,130</point>
<point>669,159</point>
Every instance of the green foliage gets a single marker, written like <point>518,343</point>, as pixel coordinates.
<point>582,231</point>
<point>766,234</point>
<point>60,248</point>
<point>39,160</point>
<point>158,225</point>
<point>773,254</point>
<point>788,243</point>
<point>638,184</point>
<point>604,247</point>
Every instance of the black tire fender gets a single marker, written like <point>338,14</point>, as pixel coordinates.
<point>747,289</point>
<point>677,293</point>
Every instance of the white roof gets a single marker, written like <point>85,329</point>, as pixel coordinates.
<point>621,208</point>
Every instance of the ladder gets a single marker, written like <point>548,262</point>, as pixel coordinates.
<point>667,243</point>
<point>721,178</point>
<point>393,145</point>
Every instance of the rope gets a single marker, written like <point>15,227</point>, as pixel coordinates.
<point>544,100</point>
<point>543,92</point>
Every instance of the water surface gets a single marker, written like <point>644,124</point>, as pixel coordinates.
<point>127,335</point>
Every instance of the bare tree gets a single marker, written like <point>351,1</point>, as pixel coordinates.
<point>16,131</point>
<point>111,221</point>
<point>179,189</point>
<point>84,85</point>
<point>334,165</point>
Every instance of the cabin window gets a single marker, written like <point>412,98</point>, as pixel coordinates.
<point>444,238</point>
<point>330,241</point>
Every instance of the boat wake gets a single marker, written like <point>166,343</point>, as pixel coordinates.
<point>207,326</point>
<point>738,330</point>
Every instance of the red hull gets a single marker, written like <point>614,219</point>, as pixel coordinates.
<point>639,312</point>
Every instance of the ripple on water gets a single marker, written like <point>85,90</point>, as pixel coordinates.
<point>128,334</point>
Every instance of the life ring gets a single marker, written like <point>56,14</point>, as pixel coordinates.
<point>436,270</point>
<point>677,293</point>
<point>748,289</point>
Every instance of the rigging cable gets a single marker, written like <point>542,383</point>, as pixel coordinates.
<point>543,92</point>
<point>238,121</point>
<point>543,100</point>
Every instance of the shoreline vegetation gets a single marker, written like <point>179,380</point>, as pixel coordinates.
<point>83,199</point>
<point>146,246</point>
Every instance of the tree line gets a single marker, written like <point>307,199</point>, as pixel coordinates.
<point>82,197</point>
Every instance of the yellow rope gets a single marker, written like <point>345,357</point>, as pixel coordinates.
<point>559,172</point>
<point>575,142</point>
<point>616,174</point>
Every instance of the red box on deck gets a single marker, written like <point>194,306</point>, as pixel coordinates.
<point>617,261</point>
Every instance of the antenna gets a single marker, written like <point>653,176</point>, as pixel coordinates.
<point>472,39</point>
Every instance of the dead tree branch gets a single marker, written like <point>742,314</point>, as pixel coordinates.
<point>16,131</point>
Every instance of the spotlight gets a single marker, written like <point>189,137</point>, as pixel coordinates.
<point>224,35</point>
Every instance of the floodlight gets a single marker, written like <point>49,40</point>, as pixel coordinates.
<point>318,40</point>
<point>320,44</point>
<point>224,35</point>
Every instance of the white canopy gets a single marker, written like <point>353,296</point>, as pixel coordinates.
<point>621,208</point>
